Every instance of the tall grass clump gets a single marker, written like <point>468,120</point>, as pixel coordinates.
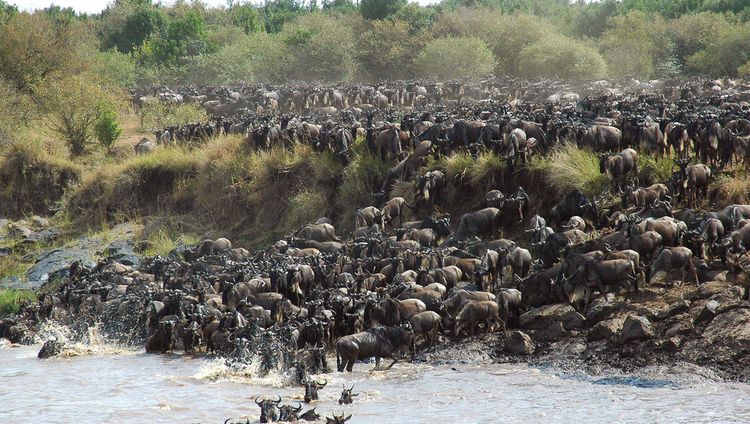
<point>488,169</point>
<point>11,300</point>
<point>572,168</point>
<point>732,190</point>
<point>654,170</point>
<point>361,178</point>
<point>306,207</point>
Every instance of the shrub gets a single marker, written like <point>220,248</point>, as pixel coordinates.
<point>726,54</point>
<point>450,58</point>
<point>562,57</point>
<point>107,128</point>
<point>732,191</point>
<point>380,9</point>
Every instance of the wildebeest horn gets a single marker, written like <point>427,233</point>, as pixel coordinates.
<point>299,408</point>
<point>256,400</point>
<point>321,385</point>
<point>277,401</point>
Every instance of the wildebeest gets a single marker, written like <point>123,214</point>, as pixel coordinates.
<point>347,396</point>
<point>617,167</point>
<point>289,413</point>
<point>338,419</point>
<point>311,389</point>
<point>268,409</point>
<point>378,342</point>
<point>673,258</point>
<point>426,324</point>
<point>574,203</point>
<point>475,313</point>
<point>482,222</point>
<point>163,340</point>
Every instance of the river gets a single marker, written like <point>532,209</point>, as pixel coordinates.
<point>105,384</point>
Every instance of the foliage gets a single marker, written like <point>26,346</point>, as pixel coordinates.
<point>183,37</point>
<point>562,57</point>
<point>448,58</point>
<point>633,45</point>
<point>107,127</point>
<point>725,55</point>
<point>128,24</point>
<point>71,113</point>
<point>257,57</point>
<point>321,46</point>
<point>246,17</point>
<point>380,9</point>
<point>29,57</point>
<point>115,69</point>
<point>381,44</point>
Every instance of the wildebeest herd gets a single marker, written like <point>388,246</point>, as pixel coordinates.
<point>394,286</point>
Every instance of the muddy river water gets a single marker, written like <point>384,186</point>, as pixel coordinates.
<point>103,384</point>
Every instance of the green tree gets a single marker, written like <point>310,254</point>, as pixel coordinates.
<point>384,47</point>
<point>107,127</point>
<point>246,17</point>
<point>380,9</point>
<point>277,13</point>
<point>7,11</point>
<point>71,110</point>
<point>450,58</point>
<point>116,69</point>
<point>184,37</point>
<point>558,56</point>
<point>725,56</point>
<point>634,45</point>
<point>128,25</point>
<point>339,6</point>
<point>419,18</point>
<point>32,49</point>
<point>693,33</point>
<point>322,48</point>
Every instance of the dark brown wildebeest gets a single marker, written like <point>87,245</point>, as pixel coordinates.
<point>645,196</point>
<point>378,342</point>
<point>617,167</point>
<point>163,340</point>
<point>482,222</point>
<point>318,232</point>
<point>392,311</point>
<point>268,412</point>
<point>311,389</point>
<point>347,396</point>
<point>461,297</point>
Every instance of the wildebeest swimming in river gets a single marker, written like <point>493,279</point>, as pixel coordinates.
<point>378,342</point>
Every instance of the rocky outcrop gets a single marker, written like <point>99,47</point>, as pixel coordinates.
<point>636,328</point>
<point>543,317</point>
<point>519,343</point>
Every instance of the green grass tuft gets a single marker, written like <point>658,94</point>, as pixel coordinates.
<point>572,168</point>
<point>11,300</point>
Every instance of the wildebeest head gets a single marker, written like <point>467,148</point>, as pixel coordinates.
<point>268,411</point>
<point>311,389</point>
<point>347,396</point>
<point>338,419</point>
<point>289,413</point>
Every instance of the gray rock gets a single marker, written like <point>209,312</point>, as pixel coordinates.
<point>684,326</point>
<point>708,312</point>
<point>519,343</point>
<point>543,317</point>
<point>554,331</point>
<point>726,336</point>
<point>673,309</point>
<point>605,330</point>
<point>636,328</point>
<point>124,252</point>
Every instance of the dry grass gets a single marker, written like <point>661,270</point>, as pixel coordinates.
<point>732,190</point>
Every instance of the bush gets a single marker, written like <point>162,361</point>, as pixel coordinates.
<point>116,69</point>
<point>732,191</point>
<point>726,54</point>
<point>562,57</point>
<point>257,57</point>
<point>107,128</point>
<point>380,9</point>
<point>450,58</point>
